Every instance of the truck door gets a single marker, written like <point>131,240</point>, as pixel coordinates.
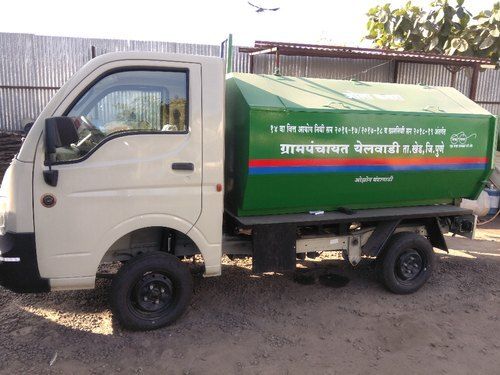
<point>135,157</point>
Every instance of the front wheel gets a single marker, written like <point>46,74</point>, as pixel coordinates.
<point>408,263</point>
<point>151,291</point>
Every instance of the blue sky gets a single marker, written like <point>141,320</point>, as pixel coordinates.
<point>208,22</point>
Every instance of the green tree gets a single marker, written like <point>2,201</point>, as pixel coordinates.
<point>443,28</point>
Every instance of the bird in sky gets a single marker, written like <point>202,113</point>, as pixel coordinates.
<point>261,9</point>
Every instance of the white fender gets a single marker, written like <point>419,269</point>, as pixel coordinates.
<point>211,252</point>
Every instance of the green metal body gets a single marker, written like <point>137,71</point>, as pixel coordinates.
<point>297,144</point>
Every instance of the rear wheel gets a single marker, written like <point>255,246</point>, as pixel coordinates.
<point>407,263</point>
<point>151,291</point>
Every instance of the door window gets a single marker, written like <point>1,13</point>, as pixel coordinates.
<point>127,103</point>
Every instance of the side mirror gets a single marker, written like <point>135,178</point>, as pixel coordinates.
<point>50,139</point>
<point>59,132</point>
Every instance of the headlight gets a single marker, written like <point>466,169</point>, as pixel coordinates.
<point>3,214</point>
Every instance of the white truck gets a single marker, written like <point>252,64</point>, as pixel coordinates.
<point>126,164</point>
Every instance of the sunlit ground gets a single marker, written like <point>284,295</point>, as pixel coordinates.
<point>97,323</point>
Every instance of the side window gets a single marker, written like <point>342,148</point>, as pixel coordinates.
<point>128,102</point>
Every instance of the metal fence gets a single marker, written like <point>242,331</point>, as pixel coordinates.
<point>33,67</point>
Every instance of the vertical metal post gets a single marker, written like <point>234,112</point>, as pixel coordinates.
<point>453,78</point>
<point>277,62</point>
<point>395,72</point>
<point>453,69</point>
<point>93,53</point>
<point>222,47</point>
<point>229,58</point>
<point>251,64</point>
<point>473,82</point>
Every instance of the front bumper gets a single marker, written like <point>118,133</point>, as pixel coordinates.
<point>18,264</point>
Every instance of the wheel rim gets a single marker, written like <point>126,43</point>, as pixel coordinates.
<point>409,265</point>
<point>151,295</point>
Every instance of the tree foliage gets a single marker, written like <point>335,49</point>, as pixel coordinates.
<point>443,28</point>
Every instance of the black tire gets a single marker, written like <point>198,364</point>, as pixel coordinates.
<point>408,262</point>
<point>150,291</point>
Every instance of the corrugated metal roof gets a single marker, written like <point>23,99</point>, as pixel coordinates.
<point>372,53</point>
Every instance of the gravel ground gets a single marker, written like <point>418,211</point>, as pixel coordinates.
<point>242,323</point>
<point>269,324</point>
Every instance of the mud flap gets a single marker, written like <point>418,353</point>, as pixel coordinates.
<point>274,248</point>
<point>379,238</point>
<point>435,234</point>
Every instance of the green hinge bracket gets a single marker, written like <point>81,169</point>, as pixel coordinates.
<point>229,55</point>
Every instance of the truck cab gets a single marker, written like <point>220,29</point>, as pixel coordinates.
<point>128,153</point>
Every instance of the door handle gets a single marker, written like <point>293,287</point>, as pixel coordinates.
<point>183,166</point>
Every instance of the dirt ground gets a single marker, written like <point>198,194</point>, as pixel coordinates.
<point>247,324</point>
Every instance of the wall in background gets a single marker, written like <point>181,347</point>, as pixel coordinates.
<point>33,67</point>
